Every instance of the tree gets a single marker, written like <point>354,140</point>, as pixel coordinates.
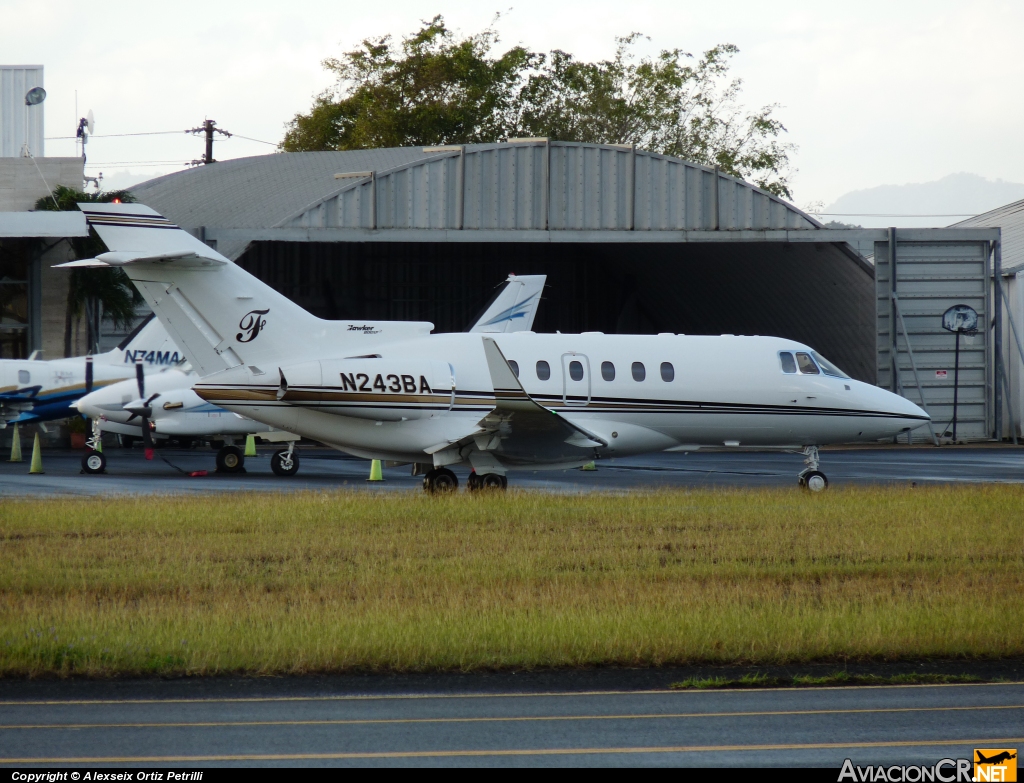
<point>93,291</point>
<point>437,88</point>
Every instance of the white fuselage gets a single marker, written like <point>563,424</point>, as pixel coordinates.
<point>724,391</point>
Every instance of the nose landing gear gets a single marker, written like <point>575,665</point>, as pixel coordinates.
<point>812,479</point>
<point>285,462</point>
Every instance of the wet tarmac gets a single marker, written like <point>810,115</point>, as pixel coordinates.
<point>323,469</point>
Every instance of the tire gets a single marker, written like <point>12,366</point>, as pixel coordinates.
<point>94,462</point>
<point>283,466</point>
<point>440,481</point>
<point>230,460</point>
<point>815,481</point>
<point>473,482</point>
<point>493,481</point>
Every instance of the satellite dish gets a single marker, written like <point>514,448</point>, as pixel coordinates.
<point>960,318</point>
<point>35,96</point>
<point>89,121</point>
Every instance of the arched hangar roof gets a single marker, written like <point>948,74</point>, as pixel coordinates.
<point>528,185</point>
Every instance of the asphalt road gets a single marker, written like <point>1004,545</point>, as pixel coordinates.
<point>323,469</point>
<point>315,727</point>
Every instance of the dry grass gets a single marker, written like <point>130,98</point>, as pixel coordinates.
<point>329,582</point>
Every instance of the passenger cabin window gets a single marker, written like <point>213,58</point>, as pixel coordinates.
<point>543,370</point>
<point>24,376</point>
<point>514,365</point>
<point>608,371</point>
<point>639,371</point>
<point>827,367</point>
<point>668,372</point>
<point>806,364</point>
<point>576,371</point>
<point>788,362</point>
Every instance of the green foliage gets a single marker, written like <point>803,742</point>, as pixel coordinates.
<point>109,287</point>
<point>438,88</point>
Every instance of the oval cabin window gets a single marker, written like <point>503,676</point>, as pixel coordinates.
<point>543,370</point>
<point>668,372</point>
<point>576,371</point>
<point>24,376</point>
<point>514,365</point>
<point>608,371</point>
<point>639,371</point>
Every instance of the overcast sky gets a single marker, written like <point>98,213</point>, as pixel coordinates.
<point>873,93</point>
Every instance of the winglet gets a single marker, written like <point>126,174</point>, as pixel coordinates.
<point>506,384</point>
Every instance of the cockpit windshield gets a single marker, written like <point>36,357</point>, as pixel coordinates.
<point>827,367</point>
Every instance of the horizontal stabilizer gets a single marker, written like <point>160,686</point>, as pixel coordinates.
<point>122,258</point>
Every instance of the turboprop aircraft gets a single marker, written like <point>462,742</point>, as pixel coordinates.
<point>34,390</point>
<point>391,390</point>
<point>163,405</point>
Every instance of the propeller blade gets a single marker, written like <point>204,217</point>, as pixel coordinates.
<point>147,437</point>
<point>140,377</point>
<point>88,374</point>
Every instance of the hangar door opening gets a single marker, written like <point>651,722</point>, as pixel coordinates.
<point>816,293</point>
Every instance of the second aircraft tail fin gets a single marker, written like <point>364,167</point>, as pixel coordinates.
<point>514,308</point>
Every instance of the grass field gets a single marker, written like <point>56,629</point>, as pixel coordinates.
<point>264,583</point>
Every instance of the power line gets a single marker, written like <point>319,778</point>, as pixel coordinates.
<point>247,138</point>
<point>113,135</point>
<point>874,214</point>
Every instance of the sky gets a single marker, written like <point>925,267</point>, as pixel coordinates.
<point>872,93</point>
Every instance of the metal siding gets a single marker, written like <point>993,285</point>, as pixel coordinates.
<point>931,278</point>
<point>20,123</point>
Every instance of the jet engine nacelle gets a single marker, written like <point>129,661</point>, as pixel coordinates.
<point>381,389</point>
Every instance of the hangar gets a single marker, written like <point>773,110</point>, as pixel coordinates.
<point>631,241</point>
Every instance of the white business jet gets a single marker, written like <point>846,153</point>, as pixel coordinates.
<point>391,390</point>
<point>164,405</point>
<point>37,391</point>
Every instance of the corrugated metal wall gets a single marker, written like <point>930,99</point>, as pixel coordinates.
<point>556,186</point>
<point>931,278</point>
<point>20,123</point>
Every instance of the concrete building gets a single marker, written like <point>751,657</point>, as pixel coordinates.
<point>32,295</point>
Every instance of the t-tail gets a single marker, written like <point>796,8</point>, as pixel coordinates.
<point>218,313</point>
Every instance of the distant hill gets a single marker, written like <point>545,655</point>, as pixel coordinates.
<point>960,194</point>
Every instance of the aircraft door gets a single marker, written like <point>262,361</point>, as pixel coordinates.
<point>575,379</point>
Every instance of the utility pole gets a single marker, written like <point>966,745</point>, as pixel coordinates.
<point>208,128</point>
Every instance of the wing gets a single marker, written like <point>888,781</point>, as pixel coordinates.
<point>521,431</point>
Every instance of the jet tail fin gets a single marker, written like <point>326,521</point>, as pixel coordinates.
<point>514,308</point>
<point>214,310</point>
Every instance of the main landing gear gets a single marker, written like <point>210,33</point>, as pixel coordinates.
<point>486,481</point>
<point>230,460</point>
<point>440,480</point>
<point>812,479</point>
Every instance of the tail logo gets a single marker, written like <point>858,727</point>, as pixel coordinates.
<point>251,325</point>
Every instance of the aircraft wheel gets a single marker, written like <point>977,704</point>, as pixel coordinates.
<point>283,465</point>
<point>94,462</point>
<point>473,482</point>
<point>440,480</point>
<point>814,481</point>
<point>230,460</point>
<point>493,481</point>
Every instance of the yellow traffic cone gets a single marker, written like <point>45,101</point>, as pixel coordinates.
<point>37,457</point>
<point>250,445</point>
<point>375,472</point>
<point>16,446</point>
<point>589,466</point>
